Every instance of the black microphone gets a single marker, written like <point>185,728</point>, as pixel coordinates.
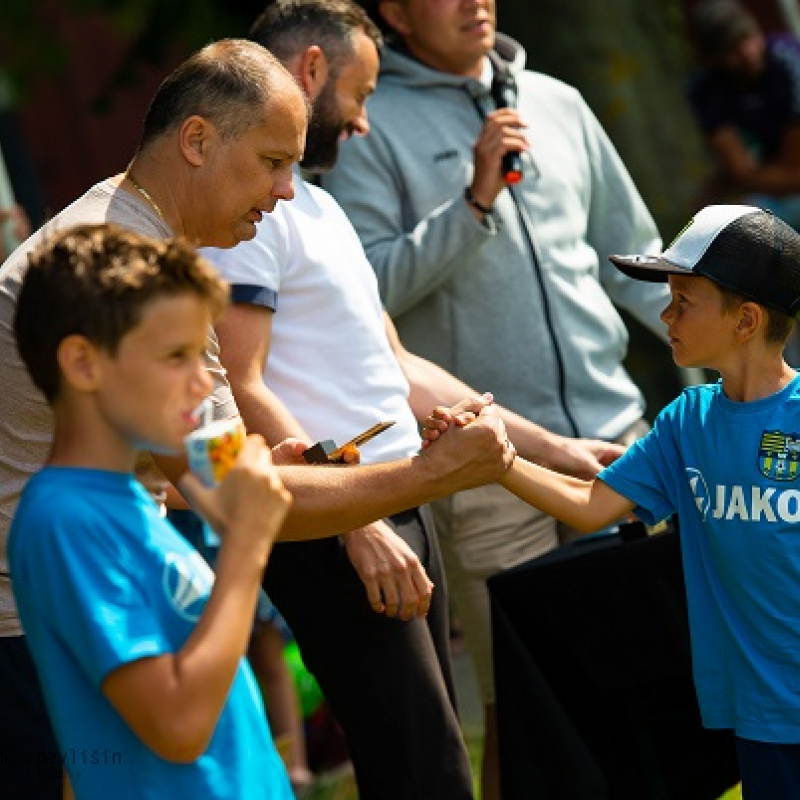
<point>504,93</point>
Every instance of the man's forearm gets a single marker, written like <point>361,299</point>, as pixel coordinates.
<point>330,500</point>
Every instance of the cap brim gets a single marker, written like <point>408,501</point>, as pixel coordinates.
<point>647,268</point>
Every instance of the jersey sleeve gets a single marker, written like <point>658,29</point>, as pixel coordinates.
<point>645,474</point>
<point>254,268</point>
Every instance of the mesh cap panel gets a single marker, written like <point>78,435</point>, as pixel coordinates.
<point>758,256</point>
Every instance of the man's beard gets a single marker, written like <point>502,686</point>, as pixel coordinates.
<point>324,130</point>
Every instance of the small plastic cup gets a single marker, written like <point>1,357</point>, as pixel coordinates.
<point>212,449</point>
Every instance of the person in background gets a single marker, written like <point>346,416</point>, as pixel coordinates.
<point>15,227</point>
<point>502,284</point>
<point>21,208</point>
<point>745,96</point>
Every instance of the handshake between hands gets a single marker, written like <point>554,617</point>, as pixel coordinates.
<point>461,414</point>
<point>251,503</point>
<point>581,458</point>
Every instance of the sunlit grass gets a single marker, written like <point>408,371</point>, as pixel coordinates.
<point>733,794</point>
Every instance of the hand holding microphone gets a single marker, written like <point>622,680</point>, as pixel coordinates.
<point>511,168</point>
<point>501,140</point>
<point>504,93</point>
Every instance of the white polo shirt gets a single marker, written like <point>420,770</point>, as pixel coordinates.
<point>330,361</point>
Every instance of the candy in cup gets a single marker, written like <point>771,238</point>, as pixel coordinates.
<point>213,448</point>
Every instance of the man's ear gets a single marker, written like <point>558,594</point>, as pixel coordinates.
<point>79,364</point>
<point>194,138</point>
<point>394,14</point>
<point>312,70</point>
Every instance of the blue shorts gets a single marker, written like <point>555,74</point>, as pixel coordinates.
<point>769,771</point>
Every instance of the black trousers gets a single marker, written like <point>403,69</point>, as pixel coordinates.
<point>30,764</point>
<point>388,682</point>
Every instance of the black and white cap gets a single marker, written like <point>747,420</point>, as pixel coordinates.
<point>743,248</point>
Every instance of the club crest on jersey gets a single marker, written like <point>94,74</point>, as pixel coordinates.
<point>779,455</point>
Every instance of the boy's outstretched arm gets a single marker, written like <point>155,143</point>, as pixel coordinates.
<point>430,384</point>
<point>172,702</point>
<point>584,505</point>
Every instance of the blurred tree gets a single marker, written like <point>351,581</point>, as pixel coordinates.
<point>86,70</point>
<point>627,57</point>
<point>630,60</point>
<point>32,48</point>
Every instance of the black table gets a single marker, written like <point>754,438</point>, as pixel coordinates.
<point>595,699</point>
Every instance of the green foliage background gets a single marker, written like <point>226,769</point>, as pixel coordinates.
<point>30,47</point>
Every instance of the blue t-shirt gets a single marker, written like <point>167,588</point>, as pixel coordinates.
<point>101,580</point>
<point>761,111</point>
<point>732,473</point>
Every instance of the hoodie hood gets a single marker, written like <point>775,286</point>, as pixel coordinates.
<point>399,66</point>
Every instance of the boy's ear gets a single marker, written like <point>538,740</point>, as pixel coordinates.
<point>751,319</point>
<point>78,361</point>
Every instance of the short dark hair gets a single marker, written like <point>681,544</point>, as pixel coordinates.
<point>227,82</point>
<point>716,26</point>
<point>95,280</point>
<point>287,26</point>
<point>779,325</point>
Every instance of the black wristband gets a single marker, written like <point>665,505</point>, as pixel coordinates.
<point>470,198</point>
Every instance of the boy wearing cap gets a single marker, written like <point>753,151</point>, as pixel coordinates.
<point>726,458</point>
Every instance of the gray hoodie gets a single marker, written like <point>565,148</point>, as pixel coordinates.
<point>521,305</point>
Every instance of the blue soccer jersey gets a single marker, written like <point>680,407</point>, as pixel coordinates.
<point>732,473</point>
<point>101,580</point>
